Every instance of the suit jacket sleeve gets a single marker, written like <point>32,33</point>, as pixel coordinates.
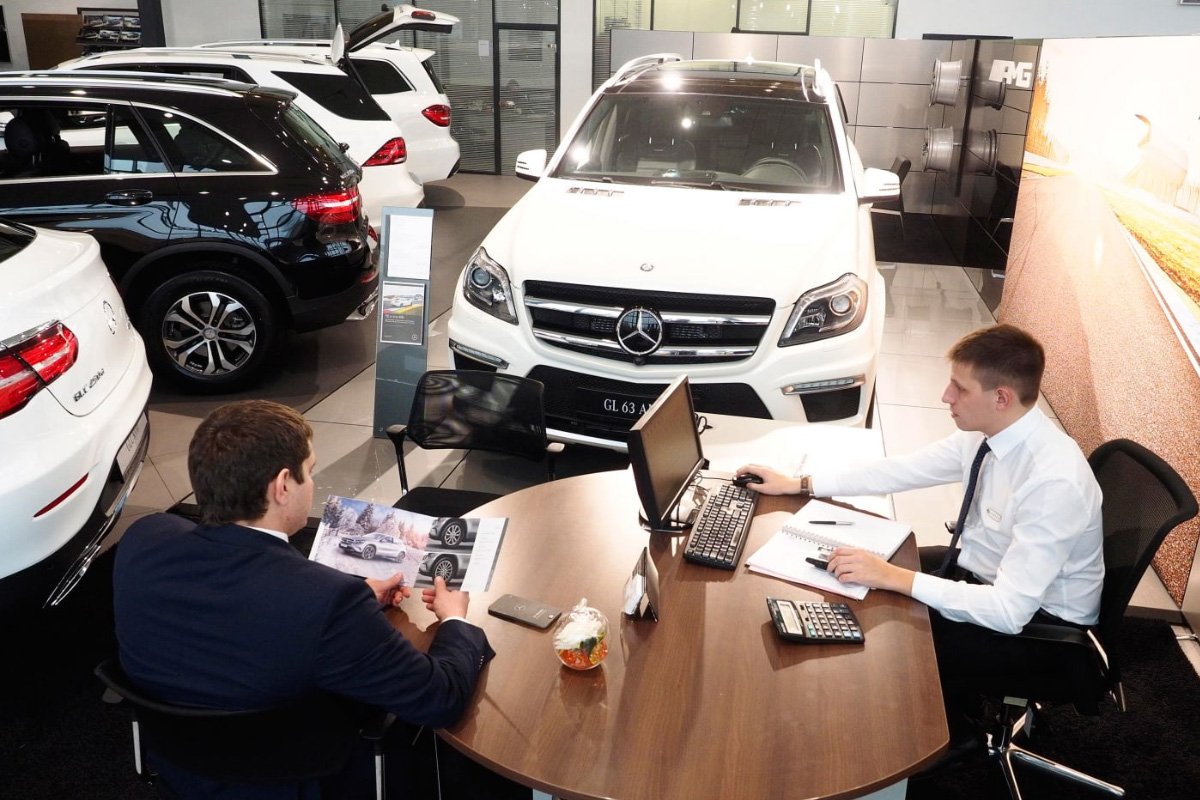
<point>362,656</point>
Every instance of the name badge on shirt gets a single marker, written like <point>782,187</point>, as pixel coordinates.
<point>993,514</point>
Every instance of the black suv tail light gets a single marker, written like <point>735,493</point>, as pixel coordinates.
<point>438,114</point>
<point>331,208</point>
<point>394,151</point>
<point>33,363</point>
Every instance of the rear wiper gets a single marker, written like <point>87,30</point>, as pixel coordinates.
<point>591,178</point>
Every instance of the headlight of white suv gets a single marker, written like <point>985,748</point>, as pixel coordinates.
<point>486,286</point>
<point>830,310</point>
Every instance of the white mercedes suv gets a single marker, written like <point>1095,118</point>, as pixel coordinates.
<point>700,217</point>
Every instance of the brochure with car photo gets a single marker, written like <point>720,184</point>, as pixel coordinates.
<point>375,541</point>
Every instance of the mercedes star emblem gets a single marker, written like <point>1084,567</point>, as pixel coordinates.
<point>639,331</point>
<point>110,316</point>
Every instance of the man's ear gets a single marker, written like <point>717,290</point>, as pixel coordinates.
<point>277,489</point>
<point>1006,397</point>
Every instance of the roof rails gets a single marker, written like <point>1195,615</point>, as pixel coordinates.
<point>138,79</point>
<point>642,63</point>
<point>150,53</point>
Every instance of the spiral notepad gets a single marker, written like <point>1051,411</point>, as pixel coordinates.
<point>783,556</point>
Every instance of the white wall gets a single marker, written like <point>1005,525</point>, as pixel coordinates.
<point>1046,19</point>
<point>16,32</point>
<point>188,22</point>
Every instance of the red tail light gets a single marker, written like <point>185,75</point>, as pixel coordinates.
<point>394,151</point>
<point>439,115</point>
<point>34,363</point>
<point>332,208</point>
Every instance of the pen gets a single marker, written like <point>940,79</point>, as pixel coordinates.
<point>818,563</point>
<point>830,522</point>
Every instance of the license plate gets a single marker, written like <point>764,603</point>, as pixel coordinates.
<point>611,405</point>
<point>132,444</point>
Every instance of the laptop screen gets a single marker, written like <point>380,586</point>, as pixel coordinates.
<point>664,453</point>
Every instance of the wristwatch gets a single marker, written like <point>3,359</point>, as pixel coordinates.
<point>806,489</point>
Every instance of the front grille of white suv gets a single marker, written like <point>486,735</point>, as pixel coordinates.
<point>696,328</point>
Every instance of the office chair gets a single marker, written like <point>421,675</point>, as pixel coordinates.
<point>471,410</point>
<point>900,166</point>
<point>1144,500</point>
<point>295,743</point>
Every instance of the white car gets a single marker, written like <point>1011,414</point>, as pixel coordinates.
<point>401,79</point>
<point>704,217</point>
<point>374,545</point>
<point>336,101</point>
<point>74,383</point>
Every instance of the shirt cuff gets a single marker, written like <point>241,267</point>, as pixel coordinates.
<point>929,589</point>
<point>451,619</point>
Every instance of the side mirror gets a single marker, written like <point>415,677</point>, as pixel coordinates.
<point>879,185</point>
<point>531,164</point>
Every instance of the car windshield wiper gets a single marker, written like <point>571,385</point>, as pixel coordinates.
<point>591,178</point>
<point>718,185</point>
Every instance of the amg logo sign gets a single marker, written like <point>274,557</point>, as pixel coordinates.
<point>1014,73</point>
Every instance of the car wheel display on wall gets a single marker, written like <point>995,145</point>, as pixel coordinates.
<point>209,331</point>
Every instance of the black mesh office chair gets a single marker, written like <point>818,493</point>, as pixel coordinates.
<point>900,166</point>
<point>1144,500</point>
<point>302,741</point>
<point>471,410</point>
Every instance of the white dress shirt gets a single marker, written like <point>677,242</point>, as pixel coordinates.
<point>1032,535</point>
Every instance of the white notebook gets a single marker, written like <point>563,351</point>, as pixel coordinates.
<point>784,553</point>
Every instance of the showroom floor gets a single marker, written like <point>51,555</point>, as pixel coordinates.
<point>330,376</point>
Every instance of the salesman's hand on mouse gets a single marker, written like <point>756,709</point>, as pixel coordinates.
<point>772,482</point>
<point>443,601</point>
<point>389,591</point>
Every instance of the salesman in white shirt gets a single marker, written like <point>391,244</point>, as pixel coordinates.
<point>1031,538</point>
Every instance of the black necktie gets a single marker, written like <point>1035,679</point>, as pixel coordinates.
<point>952,553</point>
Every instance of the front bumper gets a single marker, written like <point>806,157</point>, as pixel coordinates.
<point>752,387</point>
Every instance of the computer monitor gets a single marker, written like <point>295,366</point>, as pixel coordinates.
<point>665,454</point>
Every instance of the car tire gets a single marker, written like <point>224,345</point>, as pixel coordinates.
<point>444,568</point>
<point>368,552</point>
<point>209,331</point>
<point>453,532</point>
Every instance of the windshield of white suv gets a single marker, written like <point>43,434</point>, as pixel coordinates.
<point>710,141</point>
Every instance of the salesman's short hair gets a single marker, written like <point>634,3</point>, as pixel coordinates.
<point>238,450</point>
<point>1003,355</point>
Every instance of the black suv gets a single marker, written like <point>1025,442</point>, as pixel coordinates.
<point>224,213</point>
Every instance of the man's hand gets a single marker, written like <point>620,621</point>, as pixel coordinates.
<point>389,591</point>
<point>852,565</point>
<point>773,482</point>
<point>444,602</point>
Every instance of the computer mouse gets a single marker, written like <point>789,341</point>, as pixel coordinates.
<point>747,477</point>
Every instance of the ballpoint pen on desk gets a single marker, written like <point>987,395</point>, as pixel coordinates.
<point>829,522</point>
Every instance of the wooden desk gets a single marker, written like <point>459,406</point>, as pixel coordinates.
<point>706,703</point>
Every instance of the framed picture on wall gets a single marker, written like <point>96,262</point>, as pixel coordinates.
<point>109,28</point>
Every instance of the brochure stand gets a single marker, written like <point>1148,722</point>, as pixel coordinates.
<point>401,347</point>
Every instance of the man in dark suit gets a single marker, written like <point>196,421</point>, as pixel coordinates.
<point>227,614</point>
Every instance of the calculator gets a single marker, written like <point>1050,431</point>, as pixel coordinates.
<point>815,622</point>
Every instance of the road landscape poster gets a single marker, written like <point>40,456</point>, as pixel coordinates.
<point>1104,265</point>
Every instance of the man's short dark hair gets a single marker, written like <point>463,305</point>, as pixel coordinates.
<point>1003,355</point>
<point>238,450</point>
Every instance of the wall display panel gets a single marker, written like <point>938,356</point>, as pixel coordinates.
<point>736,46</point>
<point>842,56</point>
<point>1104,265</point>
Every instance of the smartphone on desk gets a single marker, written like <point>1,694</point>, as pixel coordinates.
<point>521,609</point>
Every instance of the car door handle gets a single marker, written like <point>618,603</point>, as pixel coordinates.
<point>130,197</point>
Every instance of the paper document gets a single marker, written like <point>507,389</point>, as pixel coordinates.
<point>784,554</point>
<point>375,541</point>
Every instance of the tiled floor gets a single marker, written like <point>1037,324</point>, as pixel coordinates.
<point>330,375</point>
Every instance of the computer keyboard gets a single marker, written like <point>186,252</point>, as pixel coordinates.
<point>719,532</point>
<point>815,622</point>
